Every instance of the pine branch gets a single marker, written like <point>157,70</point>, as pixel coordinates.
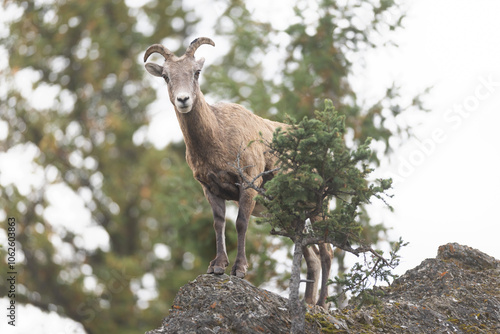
<point>250,184</point>
<point>344,246</point>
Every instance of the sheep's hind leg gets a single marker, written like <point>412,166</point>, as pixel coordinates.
<point>313,263</point>
<point>246,206</point>
<point>326,255</point>
<point>218,265</point>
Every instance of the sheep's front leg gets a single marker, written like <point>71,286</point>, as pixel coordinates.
<point>218,265</point>
<point>246,205</point>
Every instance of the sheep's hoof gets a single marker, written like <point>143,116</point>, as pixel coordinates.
<point>218,270</point>
<point>239,274</point>
<point>215,270</point>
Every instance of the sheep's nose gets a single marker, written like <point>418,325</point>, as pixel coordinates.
<point>182,98</point>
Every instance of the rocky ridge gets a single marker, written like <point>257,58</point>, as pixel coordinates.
<point>456,292</point>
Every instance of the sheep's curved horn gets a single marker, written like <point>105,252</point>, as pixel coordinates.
<point>158,48</point>
<point>196,44</point>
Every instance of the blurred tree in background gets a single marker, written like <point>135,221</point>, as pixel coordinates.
<point>143,202</point>
<point>88,52</point>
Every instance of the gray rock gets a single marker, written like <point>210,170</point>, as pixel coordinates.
<point>457,292</point>
<point>226,304</point>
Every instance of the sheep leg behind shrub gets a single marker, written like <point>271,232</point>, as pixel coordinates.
<point>325,255</point>
<point>313,264</point>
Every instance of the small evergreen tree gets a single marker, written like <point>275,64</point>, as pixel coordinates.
<point>316,167</point>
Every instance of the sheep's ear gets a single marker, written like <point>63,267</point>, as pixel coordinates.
<point>154,69</point>
<point>200,62</point>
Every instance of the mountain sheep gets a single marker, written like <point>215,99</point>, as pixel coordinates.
<point>214,135</point>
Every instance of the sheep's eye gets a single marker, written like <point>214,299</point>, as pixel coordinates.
<point>166,78</point>
<point>197,74</point>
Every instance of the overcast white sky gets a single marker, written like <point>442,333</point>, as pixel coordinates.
<point>448,181</point>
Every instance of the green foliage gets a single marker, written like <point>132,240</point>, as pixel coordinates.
<point>316,167</point>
